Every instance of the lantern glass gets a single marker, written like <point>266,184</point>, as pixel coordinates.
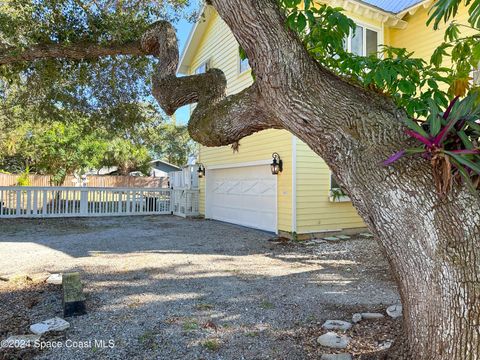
<point>201,171</point>
<point>276,165</point>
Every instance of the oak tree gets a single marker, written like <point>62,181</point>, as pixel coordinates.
<point>424,210</point>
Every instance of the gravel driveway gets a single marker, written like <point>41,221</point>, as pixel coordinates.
<point>169,288</point>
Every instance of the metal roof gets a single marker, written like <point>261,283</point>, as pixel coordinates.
<point>392,6</point>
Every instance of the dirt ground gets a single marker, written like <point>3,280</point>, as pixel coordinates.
<point>169,288</point>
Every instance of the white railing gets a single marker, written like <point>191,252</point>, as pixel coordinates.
<point>16,202</point>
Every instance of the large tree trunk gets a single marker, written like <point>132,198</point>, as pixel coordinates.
<point>433,246</point>
<point>431,242</point>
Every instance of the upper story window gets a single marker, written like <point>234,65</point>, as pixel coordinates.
<point>203,68</point>
<point>244,65</point>
<point>363,41</point>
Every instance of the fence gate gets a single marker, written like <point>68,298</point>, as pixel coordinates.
<point>30,202</point>
<point>185,202</point>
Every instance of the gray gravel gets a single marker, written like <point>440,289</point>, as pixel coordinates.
<point>169,288</point>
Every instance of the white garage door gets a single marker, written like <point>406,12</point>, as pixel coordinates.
<point>244,195</point>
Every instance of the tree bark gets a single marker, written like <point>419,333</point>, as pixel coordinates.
<point>78,51</point>
<point>431,242</point>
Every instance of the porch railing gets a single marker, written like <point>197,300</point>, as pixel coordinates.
<point>29,202</point>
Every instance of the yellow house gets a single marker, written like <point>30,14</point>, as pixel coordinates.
<point>238,186</point>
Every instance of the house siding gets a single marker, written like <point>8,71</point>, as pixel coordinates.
<point>315,211</point>
<point>219,47</point>
<point>424,45</point>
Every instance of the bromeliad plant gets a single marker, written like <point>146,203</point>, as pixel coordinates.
<point>450,140</point>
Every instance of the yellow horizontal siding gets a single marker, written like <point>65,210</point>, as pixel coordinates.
<point>259,146</point>
<point>315,211</point>
<point>422,39</point>
<point>220,49</point>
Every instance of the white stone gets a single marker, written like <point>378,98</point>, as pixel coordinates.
<point>336,325</point>
<point>55,279</point>
<point>384,345</point>
<point>356,318</point>
<point>333,340</point>
<point>331,238</point>
<point>55,324</point>
<point>343,237</point>
<point>372,316</point>
<point>395,311</point>
<point>336,357</point>
<point>368,235</point>
<point>22,341</point>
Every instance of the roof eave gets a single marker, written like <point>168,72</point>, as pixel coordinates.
<point>195,35</point>
<point>361,8</point>
<point>414,8</point>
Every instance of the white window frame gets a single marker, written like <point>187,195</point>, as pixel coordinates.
<point>331,198</point>
<point>365,26</point>
<point>207,67</point>
<point>240,61</point>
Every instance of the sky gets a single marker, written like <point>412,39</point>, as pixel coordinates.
<point>183,30</point>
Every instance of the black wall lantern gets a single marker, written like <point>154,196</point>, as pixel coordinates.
<point>201,171</point>
<point>276,165</point>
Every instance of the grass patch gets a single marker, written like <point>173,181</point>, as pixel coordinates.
<point>190,325</point>
<point>147,339</point>
<point>266,305</point>
<point>211,344</point>
<point>251,334</point>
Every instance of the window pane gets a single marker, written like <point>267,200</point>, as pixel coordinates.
<point>333,182</point>
<point>357,41</point>
<point>201,69</point>
<point>244,65</point>
<point>372,42</point>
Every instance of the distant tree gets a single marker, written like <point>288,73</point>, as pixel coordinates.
<point>353,111</point>
<point>64,150</point>
<point>127,157</point>
<point>169,142</point>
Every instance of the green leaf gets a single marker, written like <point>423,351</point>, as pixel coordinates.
<point>413,125</point>
<point>434,118</point>
<point>406,87</point>
<point>464,174</point>
<point>462,160</point>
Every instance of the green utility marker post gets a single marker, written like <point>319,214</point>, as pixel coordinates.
<point>73,296</point>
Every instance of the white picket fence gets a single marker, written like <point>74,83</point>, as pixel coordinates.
<point>31,202</point>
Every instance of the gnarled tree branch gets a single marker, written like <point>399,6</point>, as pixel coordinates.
<point>217,119</point>
<point>78,51</point>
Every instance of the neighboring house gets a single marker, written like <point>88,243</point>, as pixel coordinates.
<point>239,186</point>
<point>161,168</point>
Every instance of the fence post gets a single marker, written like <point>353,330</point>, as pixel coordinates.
<point>83,202</point>
<point>19,199</point>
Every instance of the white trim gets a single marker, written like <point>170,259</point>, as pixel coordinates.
<point>240,72</point>
<point>365,26</point>
<point>340,199</point>
<point>331,198</point>
<point>414,8</point>
<point>363,9</point>
<point>189,40</point>
<point>294,183</point>
<point>237,165</point>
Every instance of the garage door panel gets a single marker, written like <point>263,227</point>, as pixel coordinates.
<point>244,196</point>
